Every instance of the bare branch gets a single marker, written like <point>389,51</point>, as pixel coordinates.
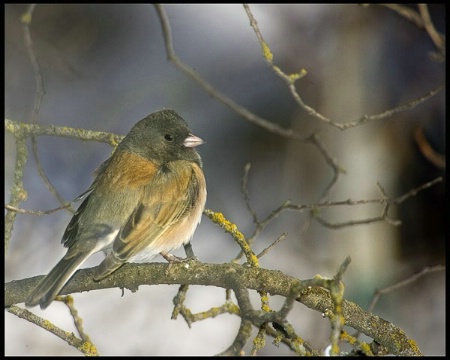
<point>415,191</point>
<point>403,283</point>
<point>232,229</point>
<point>36,212</point>
<point>18,193</point>
<point>427,151</point>
<point>210,90</point>
<point>314,208</point>
<point>40,93</point>
<point>267,249</point>
<point>291,80</point>
<point>407,13</point>
<point>85,347</point>
<point>438,39</point>
<point>131,276</point>
<point>24,130</point>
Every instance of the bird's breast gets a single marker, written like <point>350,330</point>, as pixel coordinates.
<point>181,232</point>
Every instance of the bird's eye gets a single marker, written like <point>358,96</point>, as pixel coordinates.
<point>168,137</point>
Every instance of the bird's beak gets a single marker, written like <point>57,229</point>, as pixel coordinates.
<point>192,141</point>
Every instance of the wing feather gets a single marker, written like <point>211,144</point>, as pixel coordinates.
<point>165,201</point>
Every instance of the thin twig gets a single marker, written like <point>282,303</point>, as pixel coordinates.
<point>314,208</point>
<point>407,12</point>
<point>36,212</point>
<point>25,130</point>
<point>244,189</point>
<point>436,37</point>
<point>83,346</point>
<point>291,80</point>
<point>403,283</point>
<point>415,191</point>
<point>40,93</point>
<point>267,249</point>
<point>426,149</point>
<point>78,321</point>
<point>210,90</point>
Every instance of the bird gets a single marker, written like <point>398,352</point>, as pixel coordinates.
<point>146,199</point>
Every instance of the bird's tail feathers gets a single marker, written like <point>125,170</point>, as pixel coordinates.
<point>110,264</point>
<point>49,287</point>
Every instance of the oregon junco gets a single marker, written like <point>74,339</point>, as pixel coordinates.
<point>146,199</point>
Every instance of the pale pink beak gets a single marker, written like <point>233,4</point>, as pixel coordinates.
<point>192,141</point>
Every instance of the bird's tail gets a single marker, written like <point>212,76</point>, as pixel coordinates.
<point>110,264</point>
<point>49,287</point>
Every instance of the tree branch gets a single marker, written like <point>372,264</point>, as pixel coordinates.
<point>131,276</point>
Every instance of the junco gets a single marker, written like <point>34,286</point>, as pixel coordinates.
<point>146,199</point>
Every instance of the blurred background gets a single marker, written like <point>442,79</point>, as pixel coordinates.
<point>105,67</point>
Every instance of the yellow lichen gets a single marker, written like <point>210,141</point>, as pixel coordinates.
<point>232,229</point>
<point>88,349</point>
<point>266,51</point>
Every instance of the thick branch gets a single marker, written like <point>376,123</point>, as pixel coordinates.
<point>131,276</point>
